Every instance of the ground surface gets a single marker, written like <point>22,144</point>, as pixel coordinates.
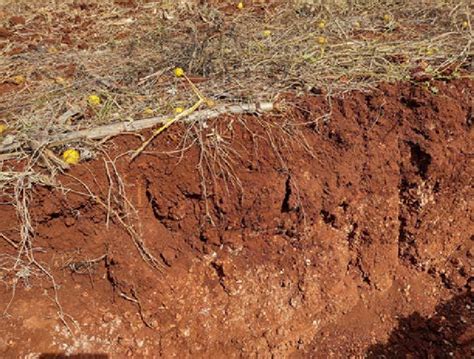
<point>338,225</point>
<point>342,236</point>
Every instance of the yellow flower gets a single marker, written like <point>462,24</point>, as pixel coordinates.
<point>322,40</point>
<point>178,110</point>
<point>178,72</point>
<point>60,81</point>
<point>465,24</point>
<point>19,79</point>
<point>322,24</point>
<point>71,157</point>
<point>210,103</point>
<point>266,33</point>
<point>3,128</point>
<point>148,111</point>
<point>387,18</point>
<point>93,100</point>
<point>240,5</point>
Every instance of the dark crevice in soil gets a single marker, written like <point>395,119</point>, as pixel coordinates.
<point>420,159</point>
<point>165,260</point>
<point>402,235</point>
<point>421,133</point>
<point>352,234</point>
<point>109,264</point>
<point>445,280</point>
<point>328,218</point>
<point>363,274</point>
<point>154,205</point>
<point>219,269</point>
<point>285,206</point>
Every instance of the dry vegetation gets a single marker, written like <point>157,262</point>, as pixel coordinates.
<point>60,52</point>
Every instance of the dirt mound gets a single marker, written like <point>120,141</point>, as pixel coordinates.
<point>294,233</point>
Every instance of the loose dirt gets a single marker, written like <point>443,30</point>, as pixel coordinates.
<point>311,236</point>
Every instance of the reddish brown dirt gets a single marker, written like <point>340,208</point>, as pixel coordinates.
<point>337,237</point>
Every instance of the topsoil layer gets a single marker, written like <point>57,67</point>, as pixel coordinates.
<point>338,236</point>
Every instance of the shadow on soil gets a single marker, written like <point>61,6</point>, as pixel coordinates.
<point>448,333</point>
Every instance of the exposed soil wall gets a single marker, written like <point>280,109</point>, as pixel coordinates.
<point>340,235</point>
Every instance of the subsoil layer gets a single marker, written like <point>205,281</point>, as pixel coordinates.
<point>287,234</point>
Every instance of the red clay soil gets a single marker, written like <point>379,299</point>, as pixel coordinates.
<point>337,236</point>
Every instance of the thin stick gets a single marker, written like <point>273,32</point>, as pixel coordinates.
<point>9,241</point>
<point>165,126</point>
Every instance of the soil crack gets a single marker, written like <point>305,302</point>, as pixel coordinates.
<point>285,206</point>
<point>420,159</point>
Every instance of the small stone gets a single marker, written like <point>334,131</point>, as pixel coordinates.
<point>69,221</point>
<point>294,302</point>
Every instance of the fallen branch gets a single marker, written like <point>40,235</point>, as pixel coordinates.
<point>122,127</point>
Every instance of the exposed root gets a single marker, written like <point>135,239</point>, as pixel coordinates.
<point>125,214</point>
<point>24,265</point>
